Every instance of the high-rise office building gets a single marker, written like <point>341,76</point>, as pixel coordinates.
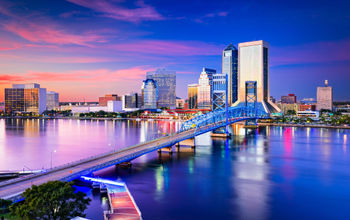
<point>149,94</point>
<point>324,97</point>
<point>25,98</point>
<point>132,101</point>
<point>289,99</point>
<point>205,90</point>
<point>192,96</point>
<point>166,82</point>
<point>52,100</point>
<point>230,67</point>
<point>253,75</point>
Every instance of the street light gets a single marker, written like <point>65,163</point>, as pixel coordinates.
<point>54,151</point>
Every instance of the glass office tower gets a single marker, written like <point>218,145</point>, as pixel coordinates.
<point>149,94</point>
<point>253,67</point>
<point>166,82</point>
<point>230,67</point>
<point>192,96</point>
<point>25,98</point>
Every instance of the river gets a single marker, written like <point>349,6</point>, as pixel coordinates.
<point>269,173</point>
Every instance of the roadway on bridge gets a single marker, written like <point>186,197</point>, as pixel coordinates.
<point>12,188</point>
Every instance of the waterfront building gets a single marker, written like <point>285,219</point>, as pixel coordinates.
<point>219,91</point>
<point>289,99</point>
<point>102,101</point>
<point>230,67</point>
<point>52,100</point>
<point>253,71</point>
<point>325,97</point>
<point>28,98</point>
<point>166,83</point>
<point>112,106</point>
<point>149,94</point>
<point>180,103</point>
<point>205,91</point>
<point>131,102</point>
<point>192,96</point>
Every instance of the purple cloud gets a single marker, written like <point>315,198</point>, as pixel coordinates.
<point>142,12</point>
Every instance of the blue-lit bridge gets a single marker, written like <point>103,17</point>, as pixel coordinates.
<point>189,129</point>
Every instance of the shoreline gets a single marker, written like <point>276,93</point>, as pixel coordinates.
<point>305,126</point>
<point>87,118</point>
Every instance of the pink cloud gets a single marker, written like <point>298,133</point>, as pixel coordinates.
<point>170,48</point>
<point>141,13</point>
<point>49,34</point>
<point>86,76</point>
<point>319,52</point>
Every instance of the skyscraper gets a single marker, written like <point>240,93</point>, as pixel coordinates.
<point>52,100</point>
<point>25,98</point>
<point>192,96</point>
<point>324,97</point>
<point>149,94</point>
<point>229,67</point>
<point>205,89</point>
<point>253,75</point>
<point>166,82</point>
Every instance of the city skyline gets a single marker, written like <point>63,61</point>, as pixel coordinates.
<point>85,49</point>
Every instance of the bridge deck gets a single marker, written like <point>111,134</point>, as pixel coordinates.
<point>12,188</point>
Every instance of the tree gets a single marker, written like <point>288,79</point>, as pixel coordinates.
<point>54,200</point>
<point>4,205</point>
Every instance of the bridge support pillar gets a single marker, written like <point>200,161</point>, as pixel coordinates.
<point>186,143</point>
<point>166,149</point>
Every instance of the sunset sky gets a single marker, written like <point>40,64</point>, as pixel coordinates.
<point>84,49</point>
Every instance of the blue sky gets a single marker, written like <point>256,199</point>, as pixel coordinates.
<point>88,48</point>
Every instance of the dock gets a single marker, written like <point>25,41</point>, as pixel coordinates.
<point>122,204</point>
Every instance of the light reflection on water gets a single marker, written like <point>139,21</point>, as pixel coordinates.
<point>270,173</point>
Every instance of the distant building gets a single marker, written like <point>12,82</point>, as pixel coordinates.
<point>253,76</point>
<point>52,100</point>
<point>180,103</point>
<point>307,107</point>
<point>166,83</point>
<point>192,96</point>
<point>25,98</point>
<point>289,99</point>
<point>308,101</point>
<point>112,106</point>
<point>286,107</point>
<point>131,102</point>
<point>205,90</point>
<point>230,67</point>
<point>149,94</point>
<point>325,97</point>
<point>102,101</point>
<point>272,99</point>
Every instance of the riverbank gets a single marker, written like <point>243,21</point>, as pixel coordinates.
<point>304,125</point>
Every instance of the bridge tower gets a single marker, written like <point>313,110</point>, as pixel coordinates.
<point>220,100</point>
<point>250,100</point>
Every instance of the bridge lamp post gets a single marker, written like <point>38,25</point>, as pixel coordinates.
<point>54,151</point>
